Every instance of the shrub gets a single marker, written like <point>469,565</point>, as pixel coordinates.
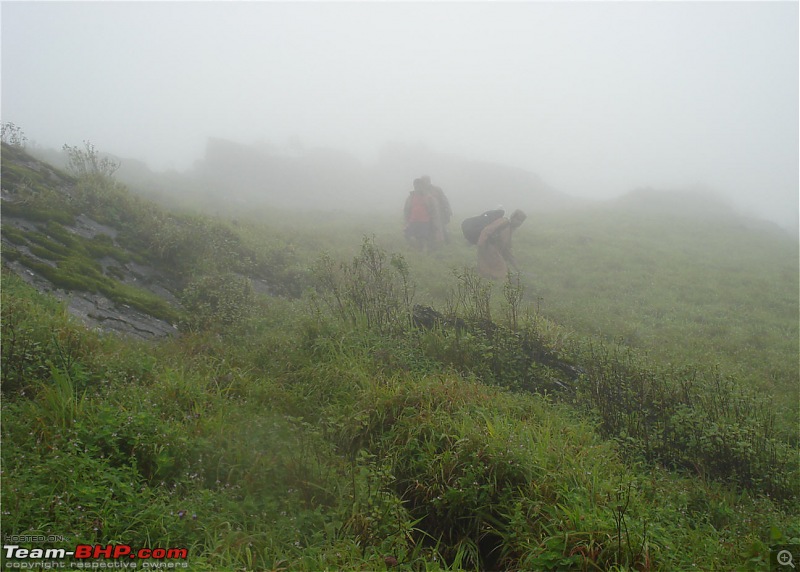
<point>374,290</point>
<point>88,163</point>
<point>690,420</point>
<point>217,300</point>
<point>12,135</point>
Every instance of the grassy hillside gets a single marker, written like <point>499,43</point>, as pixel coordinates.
<point>580,418</point>
<point>702,291</point>
<point>693,286</point>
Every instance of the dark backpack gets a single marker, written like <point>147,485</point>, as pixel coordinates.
<point>473,226</point>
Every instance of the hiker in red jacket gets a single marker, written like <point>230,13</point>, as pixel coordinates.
<point>420,212</point>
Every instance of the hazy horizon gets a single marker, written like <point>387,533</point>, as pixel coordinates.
<point>596,98</point>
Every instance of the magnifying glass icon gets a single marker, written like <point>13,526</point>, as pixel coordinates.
<point>785,558</point>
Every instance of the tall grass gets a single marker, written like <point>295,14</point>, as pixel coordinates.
<point>350,448</point>
<point>316,424</point>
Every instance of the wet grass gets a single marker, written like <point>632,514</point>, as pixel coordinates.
<point>614,414</point>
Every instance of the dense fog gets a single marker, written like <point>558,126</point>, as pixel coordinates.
<point>497,102</point>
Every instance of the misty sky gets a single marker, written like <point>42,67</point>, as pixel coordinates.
<point>597,98</point>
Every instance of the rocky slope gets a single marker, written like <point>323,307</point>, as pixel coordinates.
<point>50,242</point>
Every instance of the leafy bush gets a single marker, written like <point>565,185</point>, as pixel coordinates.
<point>88,163</point>
<point>12,135</point>
<point>683,419</point>
<point>374,290</point>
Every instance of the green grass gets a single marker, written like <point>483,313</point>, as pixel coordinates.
<point>684,292</point>
<point>318,455</point>
<point>630,407</point>
<point>681,289</point>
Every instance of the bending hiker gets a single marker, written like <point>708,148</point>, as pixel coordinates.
<point>443,206</point>
<point>419,215</point>
<point>494,246</point>
<point>473,226</point>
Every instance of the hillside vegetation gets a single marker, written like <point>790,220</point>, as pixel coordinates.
<point>332,400</point>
